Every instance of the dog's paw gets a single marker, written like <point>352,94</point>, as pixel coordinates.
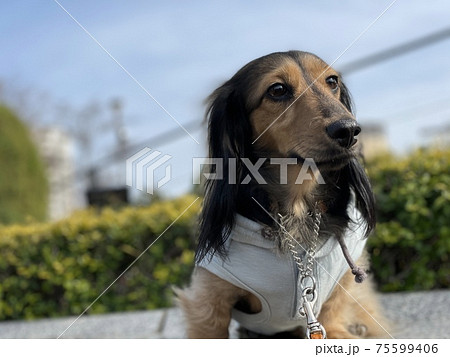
<point>359,330</point>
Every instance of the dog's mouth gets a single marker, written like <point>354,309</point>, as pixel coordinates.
<point>326,160</point>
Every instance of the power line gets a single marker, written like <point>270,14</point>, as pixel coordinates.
<point>427,108</point>
<point>395,51</point>
<point>118,155</point>
<point>164,138</point>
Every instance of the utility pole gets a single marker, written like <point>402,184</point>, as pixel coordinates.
<point>119,127</point>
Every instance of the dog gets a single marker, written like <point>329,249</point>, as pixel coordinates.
<point>276,114</point>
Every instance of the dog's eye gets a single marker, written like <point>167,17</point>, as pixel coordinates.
<point>278,91</point>
<point>333,82</point>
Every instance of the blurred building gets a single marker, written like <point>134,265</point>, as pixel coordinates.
<point>439,136</point>
<point>57,151</point>
<point>373,140</point>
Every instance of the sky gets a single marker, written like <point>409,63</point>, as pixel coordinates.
<point>180,51</point>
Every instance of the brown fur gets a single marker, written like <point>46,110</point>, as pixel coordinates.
<point>296,127</point>
<point>352,311</point>
<point>207,304</point>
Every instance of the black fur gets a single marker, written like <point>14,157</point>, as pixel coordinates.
<point>230,136</point>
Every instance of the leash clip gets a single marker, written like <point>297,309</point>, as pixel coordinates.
<point>314,329</point>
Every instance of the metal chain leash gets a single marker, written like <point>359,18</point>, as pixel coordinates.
<point>308,269</point>
<point>314,329</point>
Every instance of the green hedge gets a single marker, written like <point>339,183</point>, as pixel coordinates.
<point>60,268</point>
<point>411,245</point>
<point>23,183</point>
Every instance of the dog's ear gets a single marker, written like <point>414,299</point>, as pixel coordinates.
<point>345,97</point>
<point>228,124</point>
<point>365,201</point>
<point>229,136</point>
<point>357,178</point>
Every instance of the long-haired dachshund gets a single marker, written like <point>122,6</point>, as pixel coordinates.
<point>275,235</point>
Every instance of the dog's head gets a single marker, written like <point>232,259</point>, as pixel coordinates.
<point>284,105</point>
<point>291,103</point>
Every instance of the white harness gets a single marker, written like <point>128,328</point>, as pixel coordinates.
<point>255,264</point>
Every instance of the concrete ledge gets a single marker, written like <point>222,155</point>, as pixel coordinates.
<point>414,315</point>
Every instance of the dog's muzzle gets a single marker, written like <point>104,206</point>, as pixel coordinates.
<point>343,132</point>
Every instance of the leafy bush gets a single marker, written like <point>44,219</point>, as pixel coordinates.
<point>23,185</point>
<point>57,269</point>
<point>411,245</point>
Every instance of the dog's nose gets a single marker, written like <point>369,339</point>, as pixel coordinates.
<point>344,132</point>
